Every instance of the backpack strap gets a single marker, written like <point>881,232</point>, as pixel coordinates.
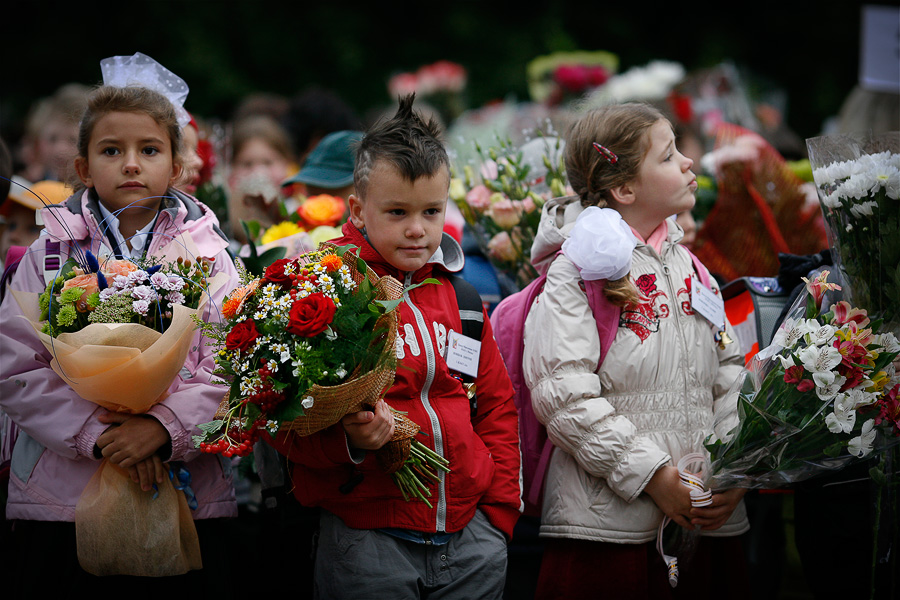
<point>53,260</point>
<point>13,258</point>
<point>471,314</point>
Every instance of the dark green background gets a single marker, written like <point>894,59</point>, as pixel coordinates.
<point>227,49</point>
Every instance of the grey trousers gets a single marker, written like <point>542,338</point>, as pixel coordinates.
<point>368,564</point>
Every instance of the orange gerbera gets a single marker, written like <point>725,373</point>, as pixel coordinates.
<point>322,210</point>
<point>331,262</point>
<point>235,300</point>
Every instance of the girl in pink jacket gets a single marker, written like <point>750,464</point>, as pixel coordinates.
<point>128,159</point>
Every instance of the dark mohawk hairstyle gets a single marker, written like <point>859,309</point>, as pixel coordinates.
<point>408,142</point>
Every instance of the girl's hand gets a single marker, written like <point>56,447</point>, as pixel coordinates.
<point>671,496</point>
<point>134,439</point>
<point>147,472</point>
<point>369,430</point>
<point>717,514</point>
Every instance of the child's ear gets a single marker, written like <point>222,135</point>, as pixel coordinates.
<point>177,170</point>
<point>623,194</point>
<point>356,211</point>
<point>84,173</point>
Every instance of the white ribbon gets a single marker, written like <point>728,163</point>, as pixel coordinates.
<point>692,469</point>
<point>141,70</point>
<point>600,244</point>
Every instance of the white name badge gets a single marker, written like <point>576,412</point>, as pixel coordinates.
<point>463,353</point>
<point>708,304</point>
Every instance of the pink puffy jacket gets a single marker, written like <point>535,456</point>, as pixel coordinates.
<point>53,457</point>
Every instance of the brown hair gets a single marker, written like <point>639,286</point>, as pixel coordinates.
<point>265,128</point>
<point>623,129</point>
<point>409,142</point>
<point>108,99</point>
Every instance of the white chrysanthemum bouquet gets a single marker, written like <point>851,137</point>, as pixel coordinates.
<point>859,188</point>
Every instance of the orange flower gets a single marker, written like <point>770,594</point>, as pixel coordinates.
<point>331,262</point>
<point>322,210</point>
<point>87,282</point>
<point>114,268</point>
<point>235,301</point>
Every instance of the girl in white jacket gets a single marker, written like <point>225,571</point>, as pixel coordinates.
<point>620,427</point>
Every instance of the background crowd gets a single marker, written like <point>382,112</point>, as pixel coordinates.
<point>279,94</point>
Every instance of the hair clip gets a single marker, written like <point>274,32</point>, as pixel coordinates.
<point>608,154</point>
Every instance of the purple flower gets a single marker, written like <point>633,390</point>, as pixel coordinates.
<point>144,292</point>
<point>175,298</point>
<point>141,307</point>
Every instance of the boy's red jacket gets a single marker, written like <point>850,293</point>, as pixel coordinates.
<point>483,451</point>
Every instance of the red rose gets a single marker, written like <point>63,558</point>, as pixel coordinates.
<point>311,315</point>
<point>242,336</point>
<point>276,273</point>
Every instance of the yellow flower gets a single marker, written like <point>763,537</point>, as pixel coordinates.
<point>280,230</point>
<point>878,382</point>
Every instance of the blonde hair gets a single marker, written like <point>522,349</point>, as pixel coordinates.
<point>108,99</point>
<point>623,130</point>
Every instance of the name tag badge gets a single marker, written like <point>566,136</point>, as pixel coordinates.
<point>463,353</point>
<point>709,305</point>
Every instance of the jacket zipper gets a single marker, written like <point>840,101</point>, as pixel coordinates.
<point>685,353</point>
<point>441,517</point>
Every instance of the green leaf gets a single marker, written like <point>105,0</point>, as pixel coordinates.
<point>211,427</point>
<point>877,475</point>
<point>834,449</point>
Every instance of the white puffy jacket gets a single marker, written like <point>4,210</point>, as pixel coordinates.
<point>651,402</point>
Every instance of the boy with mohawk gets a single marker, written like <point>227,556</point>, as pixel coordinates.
<point>372,543</point>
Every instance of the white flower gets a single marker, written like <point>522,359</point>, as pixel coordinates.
<point>818,359</point>
<point>791,331</point>
<point>888,342</point>
<point>861,445</point>
<point>858,396</point>
<point>341,372</point>
<point>823,334</point>
<point>829,390</point>
<point>844,416</point>
<point>863,209</point>
<point>832,200</point>
<point>308,402</point>
<point>272,427</point>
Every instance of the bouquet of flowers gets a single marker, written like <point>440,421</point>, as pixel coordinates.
<point>107,324</point>
<point>440,84</point>
<point>823,394</point>
<point>562,76</point>
<point>501,204</point>
<point>309,342</point>
<point>316,220</point>
<point>110,322</point>
<point>858,180</point>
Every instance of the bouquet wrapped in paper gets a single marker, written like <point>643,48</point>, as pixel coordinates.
<point>858,181</point>
<point>502,202</point>
<point>108,323</point>
<point>823,394</point>
<point>306,344</point>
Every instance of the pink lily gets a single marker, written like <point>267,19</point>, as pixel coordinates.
<point>844,313</point>
<point>818,286</point>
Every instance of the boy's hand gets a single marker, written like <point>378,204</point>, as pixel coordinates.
<point>369,429</point>
<point>135,438</point>
<point>716,514</point>
<point>671,496</point>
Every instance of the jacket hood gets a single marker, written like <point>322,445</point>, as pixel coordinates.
<point>557,220</point>
<point>448,257</point>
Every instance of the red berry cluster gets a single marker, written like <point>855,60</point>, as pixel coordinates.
<point>238,442</point>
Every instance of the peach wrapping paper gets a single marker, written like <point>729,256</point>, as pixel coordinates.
<point>104,359</point>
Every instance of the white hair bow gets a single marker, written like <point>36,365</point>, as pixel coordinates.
<point>141,70</point>
<point>600,244</point>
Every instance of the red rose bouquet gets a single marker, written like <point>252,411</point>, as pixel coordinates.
<point>309,342</point>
